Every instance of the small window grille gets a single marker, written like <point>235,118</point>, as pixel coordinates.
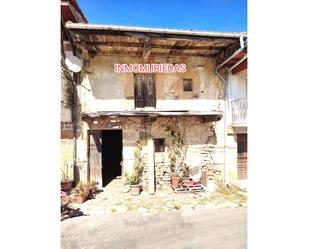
<point>187,85</point>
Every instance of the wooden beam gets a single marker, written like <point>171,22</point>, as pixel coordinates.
<point>241,67</point>
<point>174,37</point>
<point>140,53</point>
<point>141,45</point>
<point>226,53</point>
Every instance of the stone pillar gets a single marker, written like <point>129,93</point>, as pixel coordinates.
<point>151,167</point>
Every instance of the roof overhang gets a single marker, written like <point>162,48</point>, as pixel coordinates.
<point>93,39</point>
<point>70,11</point>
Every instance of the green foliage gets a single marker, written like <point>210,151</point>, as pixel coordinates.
<point>92,183</point>
<point>65,175</point>
<point>176,153</point>
<point>186,170</point>
<point>68,84</point>
<point>134,179</point>
<point>81,189</point>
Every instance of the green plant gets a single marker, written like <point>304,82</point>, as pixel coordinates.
<point>92,182</point>
<point>186,171</point>
<point>65,175</point>
<point>68,80</point>
<point>134,178</point>
<point>176,154</point>
<point>81,189</point>
<point>92,185</point>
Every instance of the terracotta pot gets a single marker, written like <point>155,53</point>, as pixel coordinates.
<point>175,181</point>
<point>135,189</point>
<point>80,199</point>
<point>66,185</point>
<point>188,182</point>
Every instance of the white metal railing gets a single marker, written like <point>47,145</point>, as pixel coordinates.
<point>239,111</point>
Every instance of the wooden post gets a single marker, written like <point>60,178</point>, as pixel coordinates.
<point>151,169</point>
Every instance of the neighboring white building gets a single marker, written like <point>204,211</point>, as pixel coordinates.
<point>236,120</point>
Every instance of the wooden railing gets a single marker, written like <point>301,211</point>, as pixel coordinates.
<point>239,111</point>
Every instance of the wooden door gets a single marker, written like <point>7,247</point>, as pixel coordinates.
<point>242,165</point>
<point>139,91</point>
<point>95,156</point>
<point>145,91</point>
<point>150,91</point>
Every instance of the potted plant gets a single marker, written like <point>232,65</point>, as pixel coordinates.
<point>66,181</point>
<point>187,181</point>
<point>93,186</point>
<point>175,179</point>
<point>175,154</point>
<point>135,187</point>
<point>134,178</point>
<point>81,192</point>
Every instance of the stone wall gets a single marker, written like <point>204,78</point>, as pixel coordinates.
<point>202,149</point>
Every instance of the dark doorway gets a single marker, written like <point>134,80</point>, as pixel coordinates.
<point>111,155</point>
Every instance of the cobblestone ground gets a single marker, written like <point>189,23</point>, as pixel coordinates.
<point>114,200</point>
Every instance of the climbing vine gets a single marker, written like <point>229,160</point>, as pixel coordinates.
<point>68,84</point>
<point>176,152</point>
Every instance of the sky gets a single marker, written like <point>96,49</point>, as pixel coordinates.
<point>210,15</point>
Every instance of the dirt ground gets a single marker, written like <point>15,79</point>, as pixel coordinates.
<point>114,200</point>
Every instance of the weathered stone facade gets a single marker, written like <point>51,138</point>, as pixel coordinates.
<point>200,144</point>
<point>103,90</point>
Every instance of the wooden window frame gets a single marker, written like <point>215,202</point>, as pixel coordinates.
<point>142,102</point>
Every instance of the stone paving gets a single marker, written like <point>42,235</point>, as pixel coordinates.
<point>114,200</point>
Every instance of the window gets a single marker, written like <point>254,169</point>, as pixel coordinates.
<point>187,85</point>
<point>145,94</point>
<point>159,144</point>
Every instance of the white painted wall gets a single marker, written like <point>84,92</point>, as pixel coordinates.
<point>238,86</point>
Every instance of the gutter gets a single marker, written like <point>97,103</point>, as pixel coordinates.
<point>242,46</point>
<point>153,30</point>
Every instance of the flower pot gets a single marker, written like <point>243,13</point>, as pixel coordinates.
<point>175,181</point>
<point>135,189</point>
<point>80,198</point>
<point>188,182</point>
<point>66,185</point>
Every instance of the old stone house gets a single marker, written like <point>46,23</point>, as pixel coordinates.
<point>116,110</point>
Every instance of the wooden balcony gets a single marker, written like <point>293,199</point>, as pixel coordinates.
<point>239,112</point>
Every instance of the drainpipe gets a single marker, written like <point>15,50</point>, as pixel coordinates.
<point>225,81</point>
<point>74,121</point>
<point>242,46</point>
